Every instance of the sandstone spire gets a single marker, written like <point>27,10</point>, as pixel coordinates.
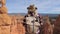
<point>3,13</point>
<point>5,20</point>
<point>3,8</point>
<point>57,25</point>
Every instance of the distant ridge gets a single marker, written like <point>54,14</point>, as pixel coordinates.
<point>50,15</point>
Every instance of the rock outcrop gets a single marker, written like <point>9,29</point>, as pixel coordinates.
<point>46,28</point>
<point>17,26</point>
<point>10,24</point>
<point>5,20</point>
<point>57,25</point>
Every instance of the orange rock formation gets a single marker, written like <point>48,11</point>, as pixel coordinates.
<point>9,24</point>
<point>5,20</point>
<point>17,27</point>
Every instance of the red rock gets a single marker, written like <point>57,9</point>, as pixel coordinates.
<point>57,25</point>
<point>46,27</point>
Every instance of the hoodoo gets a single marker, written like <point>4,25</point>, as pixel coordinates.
<point>5,20</point>
<point>57,26</point>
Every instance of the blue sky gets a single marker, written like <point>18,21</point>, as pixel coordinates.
<point>44,6</point>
